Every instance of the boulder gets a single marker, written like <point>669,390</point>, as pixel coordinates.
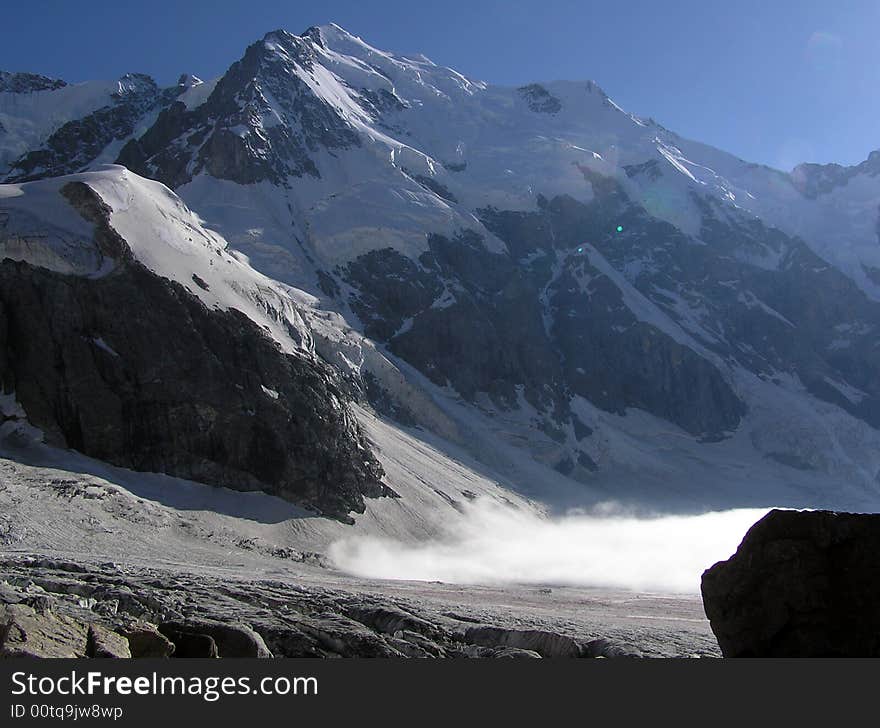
<point>340,635</point>
<point>145,640</point>
<point>391,619</point>
<point>607,648</point>
<point>801,584</point>
<point>231,640</point>
<point>105,643</point>
<point>546,644</point>
<point>24,632</point>
<point>190,643</point>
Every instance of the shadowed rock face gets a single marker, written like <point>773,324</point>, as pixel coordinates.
<point>801,584</point>
<point>814,180</point>
<point>76,144</point>
<point>132,369</point>
<point>25,83</point>
<point>540,99</point>
<point>549,328</point>
<point>800,316</point>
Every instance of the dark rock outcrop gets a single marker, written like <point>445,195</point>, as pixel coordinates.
<point>134,370</point>
<point>25,83</point>
<point>540,99</point>
<point>550,328</point>
<point>545,644</point>
<point>145,641</point>
<point>797,315</point>
<point>801,584</point>
<point>228,640</point>
<point>190,643</point>
<point>814,180</point>
<point>76,144</point>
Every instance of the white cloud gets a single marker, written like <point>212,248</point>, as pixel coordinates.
<point>493,545</point>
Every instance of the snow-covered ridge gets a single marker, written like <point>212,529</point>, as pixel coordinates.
<point>436,146</point>
<point>27,119</point>
<point>484,145</point>
<point>39,226</point>
<point>162,233</point>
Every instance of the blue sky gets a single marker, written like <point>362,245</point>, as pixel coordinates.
<point>775,81</point>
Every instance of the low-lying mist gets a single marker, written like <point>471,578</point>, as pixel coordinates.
<point>495,545</point>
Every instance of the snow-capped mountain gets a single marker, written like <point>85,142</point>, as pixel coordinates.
<point>130,333</point>
<point>590,304</point>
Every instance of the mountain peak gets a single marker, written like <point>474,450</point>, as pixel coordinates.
<point>288,45</point>
<point>337,38</point>
<point>135,84</point>
<point>326,34</point>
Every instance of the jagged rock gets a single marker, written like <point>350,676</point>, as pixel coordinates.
<point>232,640</point>
<point>24,632</point>
<point>421,642</point>
<point>487,336</point>
<point>607,648</point>
<point>25,83</point>
<point>106,643</point>
<point>343,636</point>
<point>491,333</point>
<point>145,640</point>
<point>390,620</point>
<point>287,640</point>
<point>78,142</point>
<point>546,644</point>
<point>190,642</point>
<point>801,584</point>
<point>225,136</point>
<point>540,99</point>
<point>9,595</point>
<point>408,649</point>
<point>814,180</point>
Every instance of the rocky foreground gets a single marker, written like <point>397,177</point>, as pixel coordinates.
<point>59,608</point>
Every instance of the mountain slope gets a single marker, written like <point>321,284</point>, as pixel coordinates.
<point>108,349</point>
<point>534,273</point>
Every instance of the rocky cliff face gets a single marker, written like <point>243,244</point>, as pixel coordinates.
<point>261,122</point>
<point>814,180</point>
<point>24,83</point>
<point>74,145</point>
<point>133,369</point>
